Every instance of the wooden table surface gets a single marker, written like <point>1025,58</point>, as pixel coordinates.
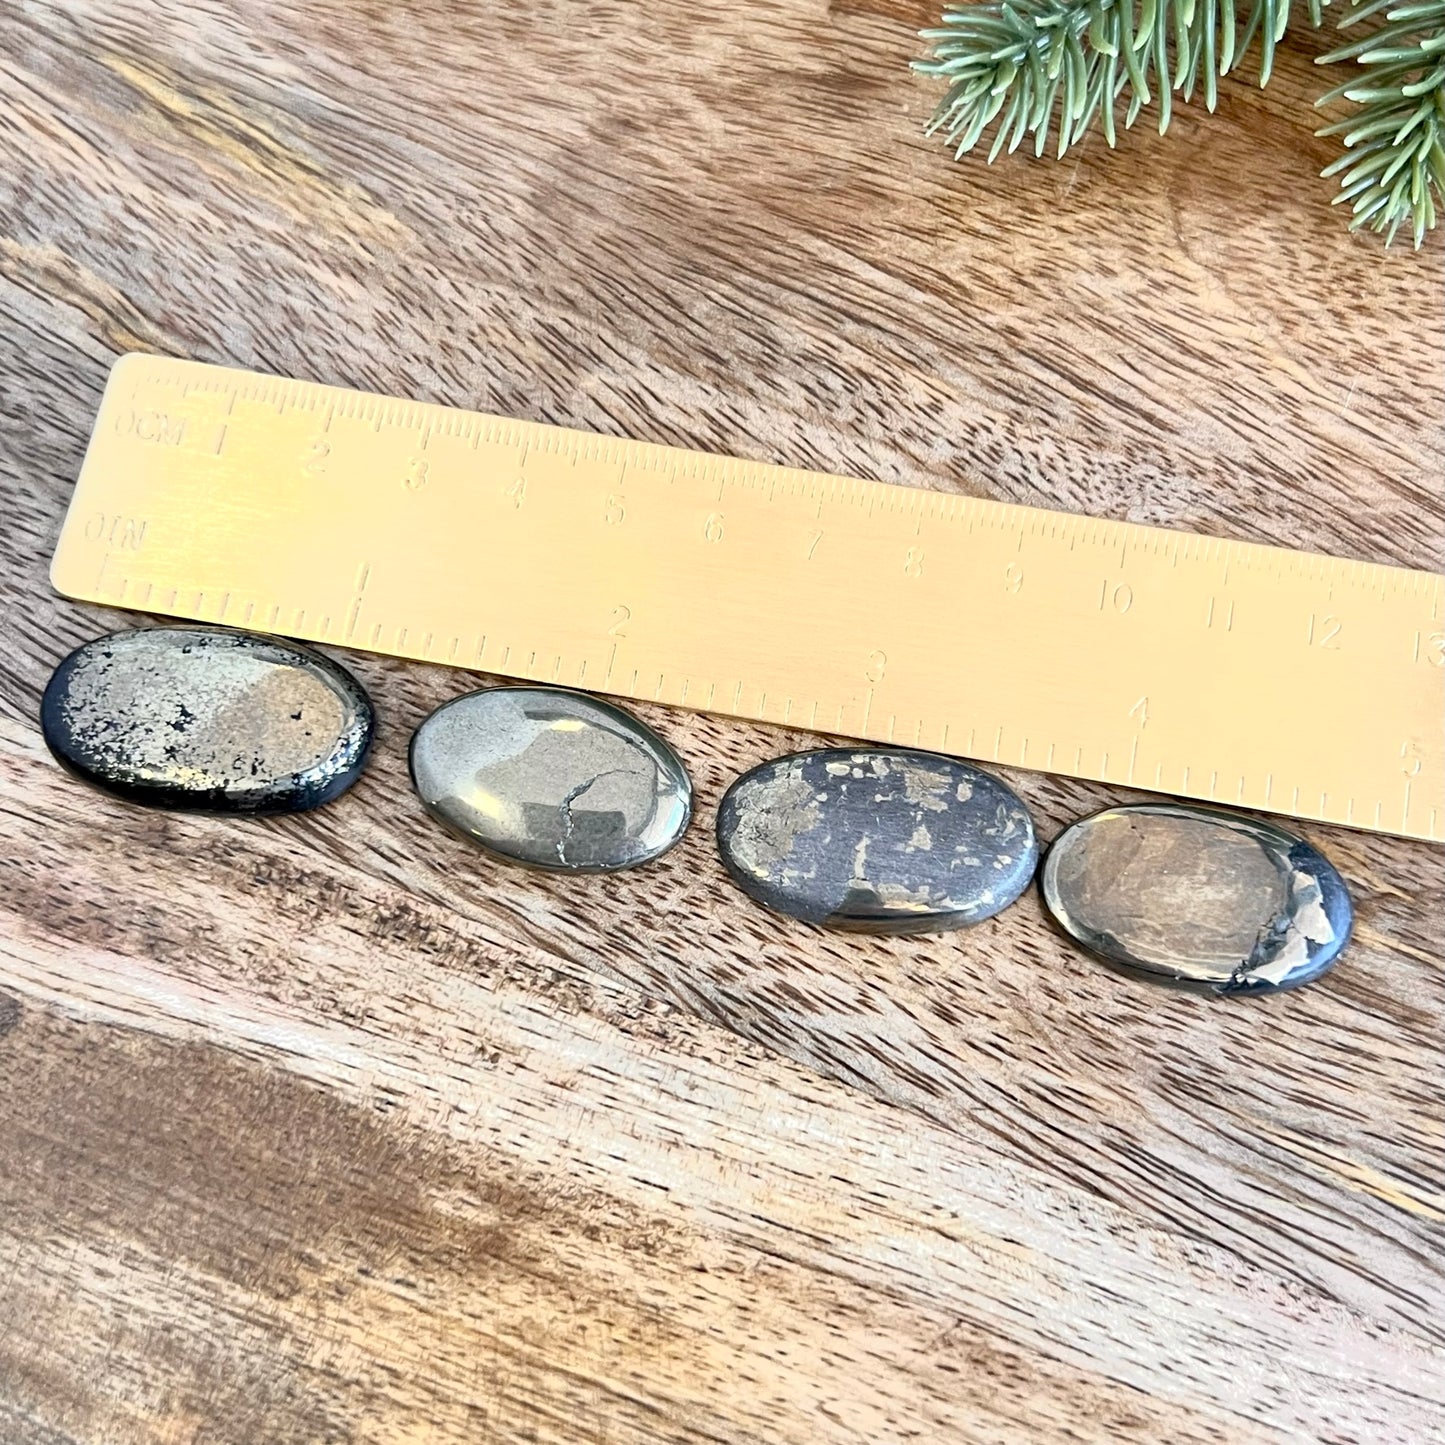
<point>326,1128</point>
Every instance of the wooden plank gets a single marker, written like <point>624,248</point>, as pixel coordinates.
<point>327,1128</point>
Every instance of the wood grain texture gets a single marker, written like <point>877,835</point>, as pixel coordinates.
<point>326,1128</point>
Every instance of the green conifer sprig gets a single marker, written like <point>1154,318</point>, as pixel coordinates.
<point>1392,172</point>
<point>1051,69</point>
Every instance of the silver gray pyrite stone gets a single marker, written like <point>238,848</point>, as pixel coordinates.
<point>551,779</point>
<point>1204,899</point>
<point>208,720</point>
<point>877,840</point>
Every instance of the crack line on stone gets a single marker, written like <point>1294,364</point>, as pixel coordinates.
<point>566,805</point>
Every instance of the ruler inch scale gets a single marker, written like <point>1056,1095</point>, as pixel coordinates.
<point>1203,667</point>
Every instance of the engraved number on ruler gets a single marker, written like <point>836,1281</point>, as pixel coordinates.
<point>1117,595</point>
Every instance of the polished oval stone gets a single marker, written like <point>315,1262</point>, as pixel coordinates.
<point>1204,899</point>
<point>551,778</point>
<point>208,720</point>
<point>877,840</point>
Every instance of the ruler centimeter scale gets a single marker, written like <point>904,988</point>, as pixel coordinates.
<point>1224,671</point>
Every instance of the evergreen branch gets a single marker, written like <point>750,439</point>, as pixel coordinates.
<point>1392,172</point>
<point>1033,64</point>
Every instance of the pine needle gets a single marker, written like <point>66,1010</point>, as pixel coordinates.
<point>1392,172</point>
<point>1079,58</point>
<point>1026,68</point>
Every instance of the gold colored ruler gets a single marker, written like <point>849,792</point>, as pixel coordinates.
<point>1218,670</point>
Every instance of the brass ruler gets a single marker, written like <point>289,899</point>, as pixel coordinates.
<point>1212,669</point>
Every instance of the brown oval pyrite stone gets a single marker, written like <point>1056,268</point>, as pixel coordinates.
<point>208,720</point>
<point>1201,898</point>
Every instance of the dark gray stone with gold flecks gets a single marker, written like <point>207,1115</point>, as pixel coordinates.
<point>551,779</point>
<point>208,720</point>
<point>1192,896</point>
<point>877,840</point>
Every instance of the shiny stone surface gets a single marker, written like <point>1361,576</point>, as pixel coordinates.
<point>207,720</point>
<point>877,840</point>
<point>552,779</point>
<point>1204,899</point>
